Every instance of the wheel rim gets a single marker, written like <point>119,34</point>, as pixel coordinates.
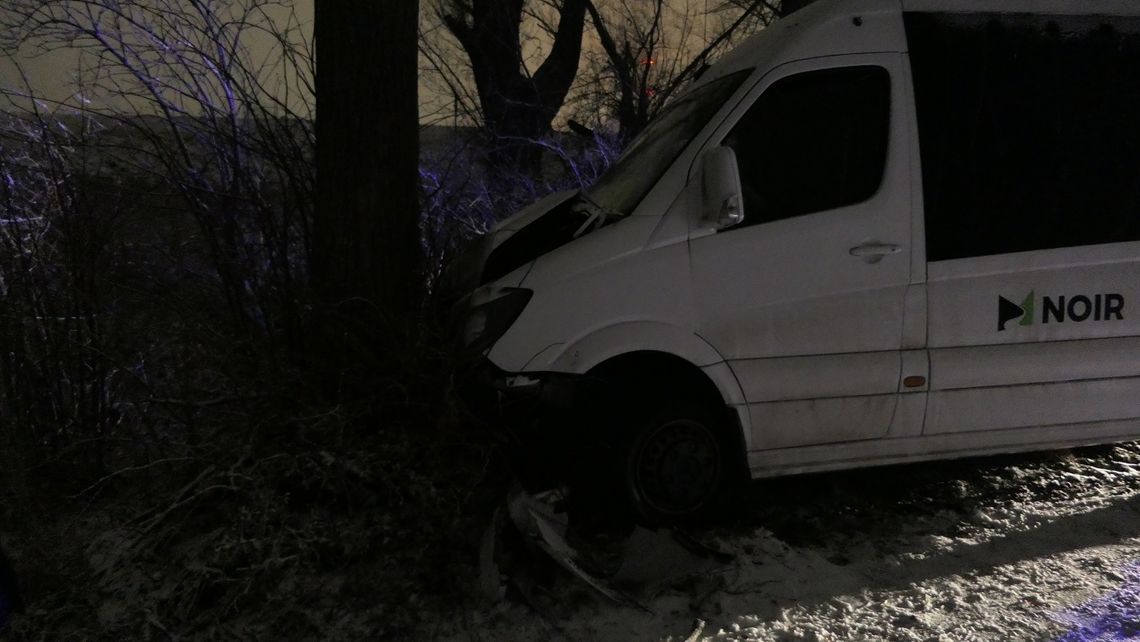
<point>677,467</point>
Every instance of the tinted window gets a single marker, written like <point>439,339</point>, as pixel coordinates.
<point>814,141</point>
<point>1030,131</point>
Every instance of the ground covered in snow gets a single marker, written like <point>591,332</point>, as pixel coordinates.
<point>1032,547</point>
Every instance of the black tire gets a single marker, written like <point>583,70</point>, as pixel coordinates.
<point>679,463</point>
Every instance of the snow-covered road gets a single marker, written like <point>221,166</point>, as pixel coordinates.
<point>1034,547</point>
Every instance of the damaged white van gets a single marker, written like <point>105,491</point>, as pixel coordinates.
<point>878,231</point>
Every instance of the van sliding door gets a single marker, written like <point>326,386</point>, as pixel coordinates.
<point>1029,132</point>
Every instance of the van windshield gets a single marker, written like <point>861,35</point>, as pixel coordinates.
<point>627,181</point>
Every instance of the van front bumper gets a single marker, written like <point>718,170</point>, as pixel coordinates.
<point>555,390</point>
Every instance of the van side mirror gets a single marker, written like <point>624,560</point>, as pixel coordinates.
<point>721,201</point>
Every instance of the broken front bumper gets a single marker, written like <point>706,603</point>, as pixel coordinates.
<point>547,436</point>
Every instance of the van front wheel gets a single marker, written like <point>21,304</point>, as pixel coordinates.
<point>676,464</point>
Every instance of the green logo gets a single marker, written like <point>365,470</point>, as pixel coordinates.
<point>1008,311</point>
<point>1067,308</point>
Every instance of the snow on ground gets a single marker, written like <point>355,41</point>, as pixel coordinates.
<point>1032,547</point>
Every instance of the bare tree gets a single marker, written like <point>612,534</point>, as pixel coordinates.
<point>194,111</point>
<point>172,194</point>
<point>653,49</point>
<point>517,106</point>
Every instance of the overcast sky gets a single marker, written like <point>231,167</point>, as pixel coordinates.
<point>52,75</point>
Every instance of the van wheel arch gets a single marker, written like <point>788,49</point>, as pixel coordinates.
<point>632,389</point>
<point>650,370</point>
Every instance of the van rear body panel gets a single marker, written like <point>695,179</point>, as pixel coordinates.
<point>1032,194</point>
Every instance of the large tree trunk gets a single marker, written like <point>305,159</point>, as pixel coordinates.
<point>366,249</point>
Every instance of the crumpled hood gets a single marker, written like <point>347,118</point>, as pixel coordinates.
<point>538,229</point>
<point>470,270</point>
<point>502,230</point>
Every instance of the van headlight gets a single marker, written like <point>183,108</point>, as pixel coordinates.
<point>489,321</point>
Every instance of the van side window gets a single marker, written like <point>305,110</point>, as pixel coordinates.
<point>813,141</point>
<point>1029,130</point>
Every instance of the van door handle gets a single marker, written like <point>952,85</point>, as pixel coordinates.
<point>874,252</point>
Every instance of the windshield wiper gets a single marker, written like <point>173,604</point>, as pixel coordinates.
<point>597,214</point>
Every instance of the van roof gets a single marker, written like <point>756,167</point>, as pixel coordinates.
<point>834,27</point>
<point>1058,7</point>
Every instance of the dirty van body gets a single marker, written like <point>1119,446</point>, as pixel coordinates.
<point>878,231</point>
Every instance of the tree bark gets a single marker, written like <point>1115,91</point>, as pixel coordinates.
<point>366,248</point>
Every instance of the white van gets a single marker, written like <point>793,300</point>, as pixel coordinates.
<point>878,231</point>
